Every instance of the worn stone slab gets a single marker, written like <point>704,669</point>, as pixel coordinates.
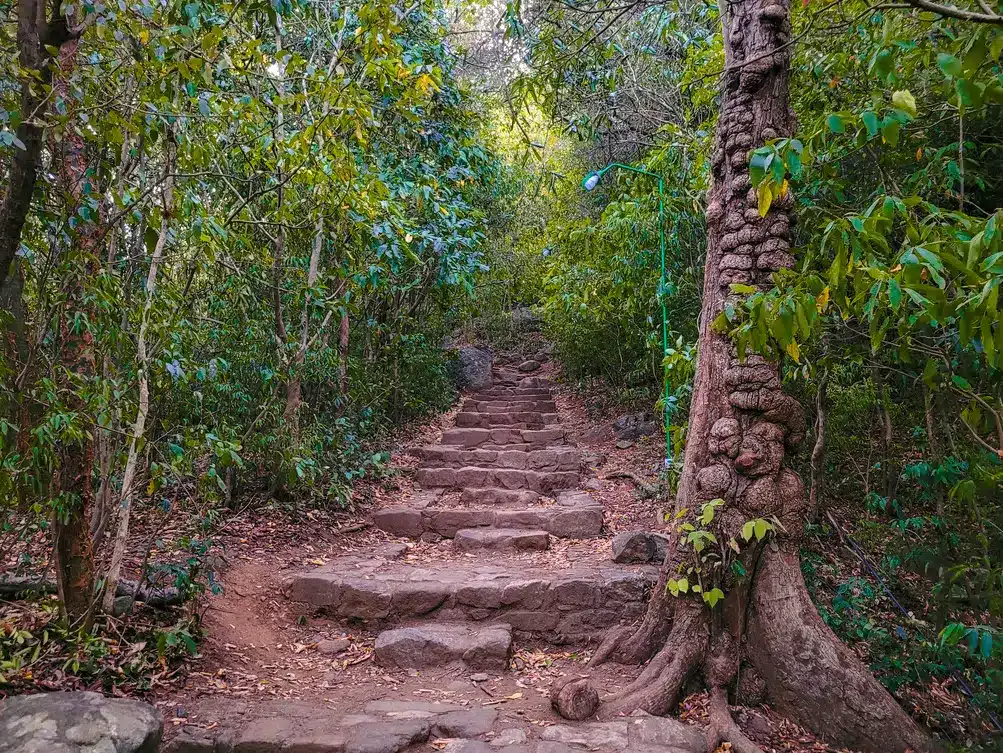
<point>506,406</point>
<point>505,393</point>
<point>499,497</point>
<point>512,419</point>
<point>641,732</point>
<point>78,722</point>
<point>474,437</point>
<point>500,539</point>
<point>570,603</point>
<point>566,522</point>
<point>437,644</point>
<point>549,459</point>
<point>499,478</point>
<point>298,727</point>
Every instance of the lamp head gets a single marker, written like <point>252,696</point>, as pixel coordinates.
<point>590,181</point>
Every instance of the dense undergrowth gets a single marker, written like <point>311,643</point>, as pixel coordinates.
<point>253,227</point>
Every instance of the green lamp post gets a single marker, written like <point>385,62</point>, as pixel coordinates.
<point>589,182</point>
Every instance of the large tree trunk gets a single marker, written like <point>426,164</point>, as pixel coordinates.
<point>72,545</point>
<point>741,428</point>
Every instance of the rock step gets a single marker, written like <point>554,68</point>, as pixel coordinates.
<point>544,482</point>
<point>575,516</point>
<point>508,393</point>
<point>392,726</point>
<point>500,540</point>
<point>535,438</point>
<point>518,420</point>
<point>508,406</point>
<point>515,379</point>
<point>289,726</point>
<point>560,604</point>
<point>436,644</point>
<point>555,459</point>
<point>499,497</point>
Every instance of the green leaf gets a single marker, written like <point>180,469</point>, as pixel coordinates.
<point>715,595</point>
<point>871,123</point>
<point>748,530</point>
<point>988,343</point>
<point>762,528</point>
<point>758,165</point>
<point>683,585</point>
<point>905,101</point>
<point>961,382</point>
<point>985,645</point>
<point>890,132</point>
<point>765,198</point>
<point>969,93</point>
<point>894,294</point>
<point>949,64</point>
<point>835,123</point>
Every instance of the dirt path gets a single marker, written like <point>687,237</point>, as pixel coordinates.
<point>262,648</point>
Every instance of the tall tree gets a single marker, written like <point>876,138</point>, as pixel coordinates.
<point>731,589</point>
<point>37,36</point>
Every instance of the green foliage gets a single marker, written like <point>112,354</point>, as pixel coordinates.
<point>281,216</point>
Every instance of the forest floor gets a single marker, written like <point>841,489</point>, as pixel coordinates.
<point>259,646</point>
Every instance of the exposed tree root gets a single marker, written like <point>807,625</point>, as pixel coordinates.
<point>811,676</point>
<point>723,728</point>
<point>657,689</point>
<point>630,645</point>
<point>647,490</point>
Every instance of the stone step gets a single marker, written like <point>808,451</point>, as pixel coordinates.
<point>535,438</point>
<point>289,726</point>
<point>507,406</point>
<point>562,604</point>
<point>574,516</point>
<point>394,725</point>
<point>500,540</point>
<point>499,497</point>
<point>554,459</point>
<point>515,420</point>
<point>436,644</point>
<point>473,476</point>
<point>517,379</point>
<point>507,393</point>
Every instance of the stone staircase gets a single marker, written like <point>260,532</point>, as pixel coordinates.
<point>513,557</point>
<point>502,484</point>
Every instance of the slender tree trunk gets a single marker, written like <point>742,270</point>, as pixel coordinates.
<point>818,451</point>
<point>343,362</point>
<point>294,389</point>
<point>741,428</point>
<point>279,253</point>
<point>143,409</point>
<point>73,548</point>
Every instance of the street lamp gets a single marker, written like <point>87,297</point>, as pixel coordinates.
<point>589,182</point>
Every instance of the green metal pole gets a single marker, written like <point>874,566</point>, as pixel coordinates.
<point>589,182</point>
<point>665,321</point>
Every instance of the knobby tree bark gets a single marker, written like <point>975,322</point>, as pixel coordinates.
<point>766,632</point>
